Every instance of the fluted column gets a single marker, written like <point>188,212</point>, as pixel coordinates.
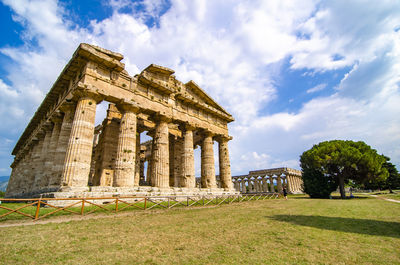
<point>256,185</point>
<point>18,175</point>
<point>79,151</point>
<point>236,185</point>
<point>289,183</point>
<point>160,154</point>
<point>37,160</point>
<point>208,179</point>
<point>138,165</point>
<point>271,181</point>
<point>62,143</point>
<point>40,178</point>
<point>244,190</point>
<point>224,163</point>
<point>178,161</point>
<point>279,183</point>
<point>188,178</point>
<point>125,162</point>
<point>171,146</point>
<point>27,175</point>
<point>265,184</point>
<point>51,151</point>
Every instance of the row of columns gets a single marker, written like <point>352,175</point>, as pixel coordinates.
<point>292,183</point>
<point>61,155</point>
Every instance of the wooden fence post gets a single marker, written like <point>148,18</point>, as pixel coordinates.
<point>37,209</point>
<point>83,206</point>
<point>116,204</point>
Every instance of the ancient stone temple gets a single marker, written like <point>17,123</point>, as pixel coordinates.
<point>61,153</point>
<point>269,180</point>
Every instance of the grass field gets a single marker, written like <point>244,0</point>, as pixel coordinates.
<point>297,231</point>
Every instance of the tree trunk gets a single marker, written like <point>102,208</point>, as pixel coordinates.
<point>341,187</point>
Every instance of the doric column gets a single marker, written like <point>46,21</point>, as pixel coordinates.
<point>18,175</point>
<point>279,183</point>
<point>59,155</point>
<point>160,154</point>
<point>40,179</point>
<point>292,183</point>
<point>138,169</point>
<point>79,151</point>
<point>289,183</point>
<point>178,161</point>
<point>51,151</point>
<point>38,161</point>
<point>244,186</point>
<point>224,163</point>
<point>271,181</point>
<point>300,182</point>
<point>125,162</point>
<point>31,166</point>
<point>188,178</point>
<point>296,186</point>
<point>236,185</point>
<point>265,184</point>
<point>171,151</point>
<point>208,179</point>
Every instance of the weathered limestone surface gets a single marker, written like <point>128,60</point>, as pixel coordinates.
<point>79,151</point>
<point>41,180</point>
<point>224,164</point>
<point>188,179</point>
<point>126,154</point>
<point>61,153</point>
<point>58,162</point>
<point>178,162</point>
<point>207,163</point>
<point>160,159</point>
<point>51,151</point>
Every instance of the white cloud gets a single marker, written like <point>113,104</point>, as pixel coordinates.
<point>234,50</point>
<point>317,88</point>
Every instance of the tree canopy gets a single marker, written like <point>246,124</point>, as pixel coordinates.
<point>332,163</point>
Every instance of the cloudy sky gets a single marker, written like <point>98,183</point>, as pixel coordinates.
<point>292,73</point>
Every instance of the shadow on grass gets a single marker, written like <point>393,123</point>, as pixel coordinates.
<point>351,225</point>
<point>304,197</point>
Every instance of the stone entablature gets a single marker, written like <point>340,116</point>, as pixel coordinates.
<point>61,150</point>
<point>266,180</point>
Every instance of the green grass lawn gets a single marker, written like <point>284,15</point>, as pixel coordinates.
<point>297,231</point>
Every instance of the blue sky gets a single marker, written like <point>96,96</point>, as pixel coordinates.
<point>292,73</point>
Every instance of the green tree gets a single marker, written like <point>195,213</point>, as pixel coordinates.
<point>393,180</point>
<point>334,163</point>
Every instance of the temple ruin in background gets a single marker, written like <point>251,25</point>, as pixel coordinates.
<point>270,180</point>
<point>61,153</point>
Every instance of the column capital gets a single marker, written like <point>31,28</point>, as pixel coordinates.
<point>207,133</point>
<point>47,126</point>
<point>125,106</point>
<point>223,138</point>
<point>56,118</point>
<point>67,106</point>
<point>82,92</point>
<point>157,117</point>
<point>187,127</point>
